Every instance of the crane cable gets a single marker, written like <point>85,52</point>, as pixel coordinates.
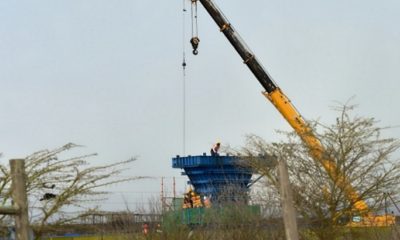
<point>183,78</point>
<point>195,28</point>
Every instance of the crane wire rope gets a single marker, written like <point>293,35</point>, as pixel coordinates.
<point>195,27</point>
<point>183,79</point>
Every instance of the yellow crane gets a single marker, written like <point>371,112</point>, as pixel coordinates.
<point>276,96</point>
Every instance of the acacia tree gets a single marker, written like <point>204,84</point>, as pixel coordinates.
<point>57,184</point>
<point>362,154</point>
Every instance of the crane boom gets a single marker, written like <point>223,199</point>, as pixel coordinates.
<point>274,94</point>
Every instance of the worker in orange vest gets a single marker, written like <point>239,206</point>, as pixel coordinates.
<point>214,150</point>
<point>187,200</point>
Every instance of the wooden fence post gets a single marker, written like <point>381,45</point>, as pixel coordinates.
<point>19,196</point>
<point>289,213</point>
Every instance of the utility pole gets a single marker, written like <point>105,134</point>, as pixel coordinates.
<point>289,213</point>
<point>20,199</point>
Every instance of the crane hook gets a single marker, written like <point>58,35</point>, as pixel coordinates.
<point>195,44</point>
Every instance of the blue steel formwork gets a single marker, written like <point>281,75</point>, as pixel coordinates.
<point>223,178</point>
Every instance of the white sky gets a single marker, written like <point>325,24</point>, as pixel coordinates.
<point>107,75</point>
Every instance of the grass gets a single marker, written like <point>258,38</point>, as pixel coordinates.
<point>239,233</point>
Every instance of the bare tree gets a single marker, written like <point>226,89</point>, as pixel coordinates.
<point>57,185</point>
<point>363,155</point>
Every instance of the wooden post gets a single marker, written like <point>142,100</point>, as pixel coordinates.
<point>19,196</point>
<point>289,213</point>
<point>174,188</point>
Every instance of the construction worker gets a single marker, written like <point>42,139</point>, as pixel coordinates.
<point>187,200</point>
<point>158,229</point>
<point>145,229</point>
<point>214,150</point>
<point>207,202</point>
<point>196,199</point>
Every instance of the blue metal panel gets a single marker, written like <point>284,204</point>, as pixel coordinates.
<point>197,161</point>
<point>221,177</point>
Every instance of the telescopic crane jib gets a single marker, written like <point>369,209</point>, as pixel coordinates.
<point>276,96</point>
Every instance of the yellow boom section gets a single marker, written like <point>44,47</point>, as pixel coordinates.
<point>317,151</point>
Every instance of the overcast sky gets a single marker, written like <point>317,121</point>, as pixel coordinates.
<point>107,74</point>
